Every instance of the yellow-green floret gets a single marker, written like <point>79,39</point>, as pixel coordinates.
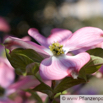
<point>56,48</point>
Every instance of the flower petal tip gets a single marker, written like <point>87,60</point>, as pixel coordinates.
<point>32,30</point>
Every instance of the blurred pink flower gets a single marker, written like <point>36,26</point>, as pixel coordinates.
<point>57,64</point>
<point>4,26</point>
<point>7,77</point>
<point>22,84</point>
<point>6,73</point>
<point>25,97</point>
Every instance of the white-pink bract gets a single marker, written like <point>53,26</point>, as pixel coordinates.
<point>57,67</point>
<point>6,71</point>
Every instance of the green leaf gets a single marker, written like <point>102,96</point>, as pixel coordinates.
<point>82,74</point>
<point>67,83</point>
<point>60,93</point>
<point>7,53</point>
<point>19,62</point>
<point>22,59</point>
<point>47,100</point>
<point>29,53</point>
<point>54,101</point>
<point>32,69</point>
<point>36,97</point>
<point>44,89</point>
<point>92,66</point>
<point>96,52</point>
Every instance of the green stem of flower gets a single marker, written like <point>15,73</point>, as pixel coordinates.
<point>50,100</point>
<point>52,86</point>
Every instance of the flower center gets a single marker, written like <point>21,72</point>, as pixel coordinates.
<point>56,48</point>
<point>2,91</point>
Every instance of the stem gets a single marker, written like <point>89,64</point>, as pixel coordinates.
<point>53,84</point>
<point>50,100</point>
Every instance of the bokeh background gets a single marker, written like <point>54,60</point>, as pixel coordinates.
<point>48,14</point>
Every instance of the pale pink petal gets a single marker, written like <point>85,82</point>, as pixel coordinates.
<point>13,43</point>
<point>88,37</point>
<point>59,35</point>
<point>37,36</point>
<point>6,74</point>
<point>5,61</point>
<point>43,51</point>
<point>4,26</point>
<point>26,38</point>
<point>85,46</point>
<point>81,59</point>
<point>80,50</point>
<point>56,68</point>
<point>24,83</point>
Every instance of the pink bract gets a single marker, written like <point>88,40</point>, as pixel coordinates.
<point>58,67</point>
<point>6,73</point>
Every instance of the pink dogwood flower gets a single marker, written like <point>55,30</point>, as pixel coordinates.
<point>57,64</point>
<point>22,84</point>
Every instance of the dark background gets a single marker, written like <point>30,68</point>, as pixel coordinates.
<point>43,15</point>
